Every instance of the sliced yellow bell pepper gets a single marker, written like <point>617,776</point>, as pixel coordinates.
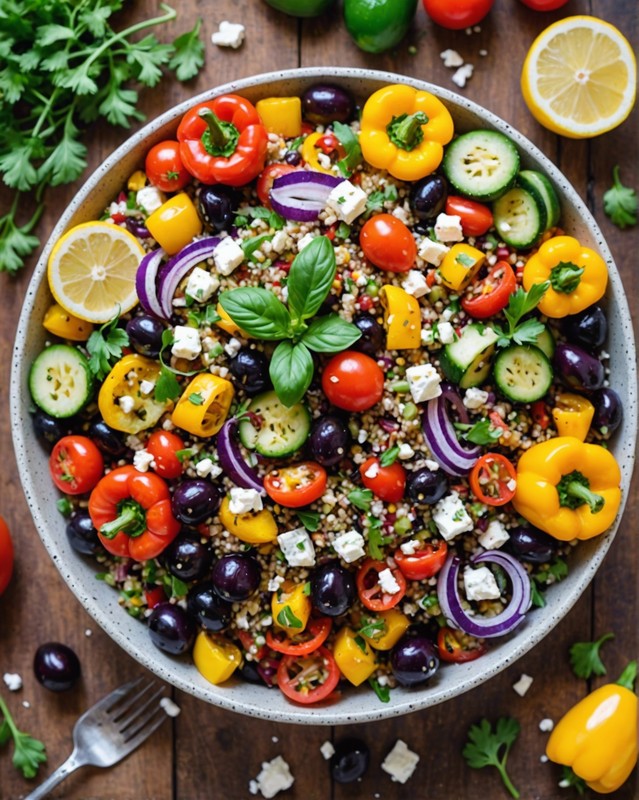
<point>353,656</point>
<point>252,527</point>
<point>393,627</point>
<point>65,325</point>
<point>121,401</point>
<point>136,181</point>
<point>291,607</point>
<point>282,115</point>
<point>175,223</point>
<point>460,265</point>
<point>204,405</point>
<point>310,152</point>
<point>573,415</point>
<point>225,323</point>
<point>402,318</point>
<point>215,658</point>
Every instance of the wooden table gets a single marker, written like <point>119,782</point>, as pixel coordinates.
<point>210,753</point>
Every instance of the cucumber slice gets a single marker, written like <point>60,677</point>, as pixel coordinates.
<point>60,381</point>
<point>283,430</point>
<point>466,361</point>
<point>481,165</point>
<point>539,186</point>
<point>519,218</point>
<point>522,373</point>
<point>546,342</point>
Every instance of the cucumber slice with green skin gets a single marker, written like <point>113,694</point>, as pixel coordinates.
<point>481,165</point>
<point>546,343</point>
<point>540,187</point>
<point>467,360</point>
<point>60,381</point>
<point>522,373</point>
<point>283,430</point>
<point>519,219</point>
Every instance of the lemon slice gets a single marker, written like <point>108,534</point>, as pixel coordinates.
<point>579,77</point>
<point>92,271</point>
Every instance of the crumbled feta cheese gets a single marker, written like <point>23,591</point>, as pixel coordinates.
<point>475,398</point>
<point>546,725</point>
<point>186,342</point>
<point>387,582</point>
<point>146,387</point>
<point>207,468</point>
<point>463,74</point>
<point>133,442</point>
<point>233,347</point>
<point>150,198</point>
<point>274,777</point>
<point>347,201</point>
<point>171,709</point>
<point>451,58</point>
<point>201,285</point>
<point>227,255</point>
<point>297,548</point>
<point>304,241</point>
<point>424,382</point>
<point>327,750</point>
<point>494,536</point>
<point>480,584</point>
<point>362,436</point>
<point>433,466</point>
<point>415,283</point>
<point>427,336</point>
<point>142,460</point>
<point>275,582</point>
<point>446,333</point>
<point>405,451</point>
<point>229,34</point>
<point>451,517</point>
<point>280,241</point>
<point>126,403</point>
<point>433,252</point>
<point>400,763</point>
<point>13,681</point>
<point>448,228</point>
<point>410,547</point>
<point>523,684</point>
<point>350,546</point>
<point>483,53</point>
<point>245,500</point>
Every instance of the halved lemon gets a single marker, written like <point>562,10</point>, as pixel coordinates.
<point>92,271</point>
<point>579,77</point>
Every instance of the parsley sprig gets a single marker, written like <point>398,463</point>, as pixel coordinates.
<point>482,432</point>
<point>620,202</point>
<point>488,748</point>
<point>522,331</point>
<point>105,347</point>
<point>585,659</point>
<point>28,753</point>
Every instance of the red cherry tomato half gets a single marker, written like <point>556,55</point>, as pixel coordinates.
<point>164,446</point>
<point>155,596</point>
<point>369,590</point>
<point>302,644</point>
<point>476,218</point>
<point>540,415</point>
<point>493,479</point>
<point>353,381</point>
<point>424,562</point>
<point>297,485</point>
<point>266,178</point>
<point>164,167</point>
<point>490,295</point>
<point>76,465</point>
<point>387,483</point>
<point>6,555</point>
<point>544,5</point>
<point>308,678</point>
<point>457,14</point>
<point>457,647</point>
<point>388,243</point>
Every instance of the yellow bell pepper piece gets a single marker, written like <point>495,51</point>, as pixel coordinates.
<point>124,380</point>
<point>573,415</point>
<point>225,323</point>
<point>310,153</point>
<point>404,131</point>
<point>598,736</point>
<point>215,658</point>
<point>175,223</point>
<point>281,115</point>
<point>137,181</point>
<point>65,325</point>
<point>291,607</point>
<point>568,488</point>
<point>578,276</point>
<point>252,527</point>
<point>460,265</point>
<point>353,656</point>
<point>394,626</point>
<point>402,318</point>
<point>204,405</point>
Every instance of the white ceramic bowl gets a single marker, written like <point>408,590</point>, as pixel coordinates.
<point>101,601</point>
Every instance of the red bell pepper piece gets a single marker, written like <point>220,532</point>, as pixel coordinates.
<point>223,141</point>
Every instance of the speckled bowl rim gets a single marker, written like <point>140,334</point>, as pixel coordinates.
<point>101,601</point>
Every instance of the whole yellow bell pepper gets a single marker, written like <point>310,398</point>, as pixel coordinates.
<point>252,527</point>
<point>402,318</point>
<point>578,276</point>
<point>215,658</point>
<point>353,656</point>
<point>404,130</point>
<point>204,405</point>
<point>598,736</point>
<point>291,607</point>
<point>138,411</point>
<point>573,415</point>
<point>568,488</point>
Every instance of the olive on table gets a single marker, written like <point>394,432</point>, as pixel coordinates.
<point>206,606</point>
<point>333,589</point>
<point>108,440</point>
<point>608,410</point>
<point>350,760</point>
<point>414,660</point>
<point>372,339</point>
<point>56,666</point>
<point>171,628</point>
<point>145,334</point>
<point>588,328</point>
<point>329,440</point>
<point>324,103</point>
<point>82,535</point>
<point>250,370</point>
<point>194,501</point>
<point>578,369</point>
<point>187,558</point>
<point>48,429</point>
<point>530,544</point>
<point>216,205</point>
<point>236,576</point>
<point>425,487</point>
<point>428,197</point>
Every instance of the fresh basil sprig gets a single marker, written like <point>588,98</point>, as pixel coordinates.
<point>310,278</point>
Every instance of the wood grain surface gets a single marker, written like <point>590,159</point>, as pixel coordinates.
<point>210,753</point>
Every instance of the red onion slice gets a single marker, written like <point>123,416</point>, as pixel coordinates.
<point>146,282</point>
<point>177,267</point>
<point>302,194</point>
<point>441,438</point>
<point>232,461</point>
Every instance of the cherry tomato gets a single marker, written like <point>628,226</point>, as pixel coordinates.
<point>163,446</point>
<point>493,479</point>
<point>164,167</point>
<point>388,243</point>
<point>544,5</point>
<point>155,596</point>
<point>248,643</point>
<point>309,678</point>
<point>76,465</point>
<point>266,178</point>
<point>353,381</point>
<point>6,555</point>
<point>302,644</point>
<point>457,14</point>
<point>297,485</point>
<point>329,143</point>
<point>369,590</point>
<point>490,295</point>
<point>424,562</point>
<point>540,415</point>
<point>387,483</point>
<point>458,647</point>
<point>476,218</point>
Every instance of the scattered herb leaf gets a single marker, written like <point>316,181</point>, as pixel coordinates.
<point>585,659</point>
<point>620,202</point>
<point>486,748</point>
<point>28,753</point>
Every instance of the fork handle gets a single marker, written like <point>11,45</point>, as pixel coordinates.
<point>70,765</point>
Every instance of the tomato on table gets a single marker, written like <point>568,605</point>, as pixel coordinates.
<point>164,447</point>
<point>6,555</point>
<point>369,589</point>
<point>76,465</point>
<point>476,218</point>
<point>456,647</point>
<point>490,295</point>
<point>266,178</point>
<point>388,243</point>
<point>425,562</point>
<point>303,643</point>
<point>308,678</point>
<point>457,14</point>
<point>297,485</point>
<point>164,167</point>
<point>353,381</point>
<point>387,483</point>
<point>493,479</point>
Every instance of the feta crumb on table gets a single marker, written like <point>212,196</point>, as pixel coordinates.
<point>462,75</point>
<point>275,776</point>
<point>229,34</point>
<point>546,725</point>
<point>171,709</point>
<point>451,58</point>
<point>13,681</point>
<point>523,684</point>
<point>400,763</point>
<point>327,750</point>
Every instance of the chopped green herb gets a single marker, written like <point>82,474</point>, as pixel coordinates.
<point>350,143</point>
<point>105,347</point>
<point>486,748</point>
<point>64,506</point>
<point>167,386</point>
<point>383,692</point>
<point>520,304</point>
<point>309,519</point>
<point>287,619</point>
<point>361,498</point>
<point>250,246</point>
<point>361,643</point>
<point>28,753</point>
<point>196,398</point>
<point>376,540</point>
<point>373,628</point>
<point>620,202</point>
<point>585,659</point>
<point>389,457</point>
<point>482,432</point>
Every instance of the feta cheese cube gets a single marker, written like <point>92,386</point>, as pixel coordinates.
<point>494,536</point>
<point>400,763</point>
<point>150,198</point>
<point>207,468</point>
<point>126,403</point>
<point>387,582</point>
<point>446,333</point>
<point>451,58</point>
<point>229,34</point>
<point>415,283</point>
<point>451,517</point>
<point>433,252</point>
<point>13,681</point>
<point>424,382</point>
<point>228,255</point>
<point>201,285</point>
<point>475,398</point>
<point>480,584</point>
<point>448,228</point>
<point>410,547</point>
<point>350,546</point>
<point>347,201</point>
<point>233,347</point>
<point>186,342</point>
<point>280,241</point>
<point>405,451</point>
<point>297,548</point>
<point>523,684</point>
<point>142,460</point>
<point>275,776</point>
<point>327,750</point>
<point>245,500</point>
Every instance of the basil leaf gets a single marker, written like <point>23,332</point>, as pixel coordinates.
<point>291,371</point>
<point>309,519</point>
<point>310,278</point>
<point>350,142</point>
<point>330,334</point>
<point>257,311</point>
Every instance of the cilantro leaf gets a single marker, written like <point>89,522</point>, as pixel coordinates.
<point>486,748</point>
<point>482,432</point>
<point>309,519</point>
<point>620,202</point>
<point>350,143</point>
<point>17,242</point>
<point>521,303</point>
<point>361,498</point>
<point>167,386</point>
<point>188,57</point>
<point>28,752</point>
<point>105,347</point>
<point>376,540</point>
<point>585,659</point>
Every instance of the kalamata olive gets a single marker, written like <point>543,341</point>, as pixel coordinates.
<point>145,334</point>
<point>292,157</point>
<point>194,501</point>
<point>608,410</point>
<point>206,606</point>
<point>414,660</point>
<point>236,576</point>
<point>108,440</point>
<point>350,760</point>
<point>372,339</point>
<point>333,589</point>
<point>82,536</point>
<point>171,629</point>
<point>49,429</point>
<point>530,544</point>
<point>216,205</point>
<point>187,558</point>
<point>250,370</point>
<point>249,671</point>
<point>428,197</point>
<point>588,328</point>
<point>56,666</point>
<point>134,225</point>
<point>329,440</point>
<point>425,487</point>
<point>326,103</point>
<point>578,369</point>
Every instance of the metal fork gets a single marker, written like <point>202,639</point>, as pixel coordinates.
<point>110,730</point>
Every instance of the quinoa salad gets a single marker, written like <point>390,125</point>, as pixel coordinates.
<point>325,391</point>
